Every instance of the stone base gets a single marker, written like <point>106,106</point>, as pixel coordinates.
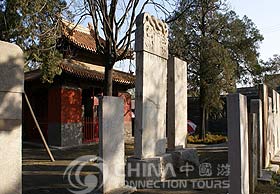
<point>183,156</point>
<point>124,190</point>
<point>65,134</point>
<point>139,172</point>
<point>268,172</point>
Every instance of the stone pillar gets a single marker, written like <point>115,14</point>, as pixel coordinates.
<point>238,144</point>
<point>111,142</point>
<point>151,48</point>
<point>277,121</point>
<point>127,116</point>
<point>274,101</point>
<point>256,107</point>
<point>11,89</point>
<point>253,161</point>
<point>177,99</point>
<point>65,116</point>
<point>270,126</point>
<point>263,93</point>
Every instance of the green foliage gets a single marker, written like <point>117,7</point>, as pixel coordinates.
<point>271,69</point>
<point>275,179</point>
<point>209,139</point>
<point>219,48</point>
<point>35,27</point>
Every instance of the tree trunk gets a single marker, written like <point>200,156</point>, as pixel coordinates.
<point>203,112</point>
<point>206,120</point>
<point>202,123</point>
<point>108,82</point>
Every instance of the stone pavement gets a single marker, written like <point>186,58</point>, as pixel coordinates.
<point>40,176</point>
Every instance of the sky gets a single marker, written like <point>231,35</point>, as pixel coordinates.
<point>266,15</point>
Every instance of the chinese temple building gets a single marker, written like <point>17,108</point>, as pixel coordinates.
<point>67,109</point>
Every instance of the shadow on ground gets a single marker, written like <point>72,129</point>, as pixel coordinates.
<point>40,176</point>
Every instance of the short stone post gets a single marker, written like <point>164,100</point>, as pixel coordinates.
<point>111,145</point>
<point>11,89</point>
<point>177,99</point>
<point>256,107</point>
<point>238,144</point>
<point>253,140</point>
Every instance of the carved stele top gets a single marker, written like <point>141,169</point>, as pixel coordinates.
<point>151,35</point>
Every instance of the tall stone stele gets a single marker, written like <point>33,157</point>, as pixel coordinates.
<point>151,48</point>
<point>11,89</point>
<point>238,150</point>
<point>177,102</point>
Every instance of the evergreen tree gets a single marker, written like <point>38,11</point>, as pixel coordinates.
<point>219,48</point>
<point>35,27</point>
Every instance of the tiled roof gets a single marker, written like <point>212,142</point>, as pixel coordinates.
<point>83,37</point>
<point>80,36</point>
<point>74,68</point>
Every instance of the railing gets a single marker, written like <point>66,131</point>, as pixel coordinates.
<point>90,130</point>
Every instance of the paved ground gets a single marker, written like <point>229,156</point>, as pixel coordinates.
<point>40,176</point>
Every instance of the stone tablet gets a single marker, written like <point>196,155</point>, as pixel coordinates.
<point>151,85</point>
<point>238,144</point>
<point>256,107</point>
<point>111,137</point>
<point>177,99</point>
<point>11,88</point>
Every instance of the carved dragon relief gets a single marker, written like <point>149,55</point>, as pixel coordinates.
<point>155,33</point>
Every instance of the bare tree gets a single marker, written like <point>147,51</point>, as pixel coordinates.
<point>114,20</point>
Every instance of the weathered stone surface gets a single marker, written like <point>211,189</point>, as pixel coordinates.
<point>151,36</point>
<point>151,85</point>
<point>128,132</point>
<point>11,65</point>
<point>111,137</point>
<point>253,142</point>
<point>65,134</point>
<point>10,161</point>
<point>11,88</point>
<point>256,107</point>
<point>71,134</point>
<point>145,171</point>
<point>183,156</point>
<point>268,172</point>
<point>176,102</point>
<point>9,124</point>
<point>270,106</point>
<point>263,90</point>
<point>274,101</point>
<point>125,190</point>
<point>10,105</point>
<point>238,144</point>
